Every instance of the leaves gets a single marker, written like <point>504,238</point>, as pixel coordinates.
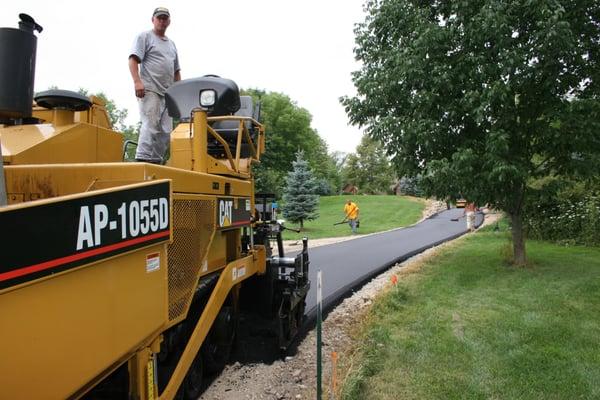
<point>369,168</point>
<point>288,130</point>
<point>480,96</point>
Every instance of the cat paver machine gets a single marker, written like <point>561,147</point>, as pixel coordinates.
<point>124,279</point>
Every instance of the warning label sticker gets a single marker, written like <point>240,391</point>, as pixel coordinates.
<point>152,262</point>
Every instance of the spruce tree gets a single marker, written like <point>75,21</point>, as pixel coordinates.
<point>300,198</point>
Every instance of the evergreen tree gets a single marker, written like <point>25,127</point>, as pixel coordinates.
<point>300,201</point>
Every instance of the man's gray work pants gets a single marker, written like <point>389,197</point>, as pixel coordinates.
<point>155,132</point>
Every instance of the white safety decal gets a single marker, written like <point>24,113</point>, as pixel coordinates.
<point>152,262</point>
<point>241,271</point>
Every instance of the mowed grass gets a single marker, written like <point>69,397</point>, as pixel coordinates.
<point>468,326</point>
<point>377,213</point>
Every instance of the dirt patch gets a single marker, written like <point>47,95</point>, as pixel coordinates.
<point>294,377</point>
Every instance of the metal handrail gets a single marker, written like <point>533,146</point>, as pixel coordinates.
<point>125,145</point>
<point>242,132</point>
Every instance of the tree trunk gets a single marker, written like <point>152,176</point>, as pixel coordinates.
<point>518,239</point>
<point>301,224</point>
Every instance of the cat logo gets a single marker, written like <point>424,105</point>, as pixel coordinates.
<point>225,212</point>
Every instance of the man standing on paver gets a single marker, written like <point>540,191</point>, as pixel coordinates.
<point>351,211</point>
<point>154,66</point>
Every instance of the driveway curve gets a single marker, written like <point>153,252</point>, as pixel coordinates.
<point>349,264</point>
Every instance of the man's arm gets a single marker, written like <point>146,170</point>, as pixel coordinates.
<point>134,63</point>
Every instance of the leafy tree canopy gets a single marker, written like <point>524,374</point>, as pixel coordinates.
<point>481,96</point>
<point>288,131</point>
<point>369,168</point>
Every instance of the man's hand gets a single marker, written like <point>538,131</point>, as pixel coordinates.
<point>140,91</point>
<point>134,63</point>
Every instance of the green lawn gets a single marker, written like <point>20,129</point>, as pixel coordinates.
<point>467,326</point>
<point>377,213</point>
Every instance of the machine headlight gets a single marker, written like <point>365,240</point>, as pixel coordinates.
<point>208,98</point>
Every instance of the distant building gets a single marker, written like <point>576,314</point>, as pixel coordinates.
<point>350,189</point>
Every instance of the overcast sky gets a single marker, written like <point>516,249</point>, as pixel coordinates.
<point>300,48</point>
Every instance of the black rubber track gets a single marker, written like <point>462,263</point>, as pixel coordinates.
<point>348,265</point>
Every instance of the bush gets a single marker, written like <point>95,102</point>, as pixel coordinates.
<point>323,188</point>
<point>411,186</point>
<point>571,216</point>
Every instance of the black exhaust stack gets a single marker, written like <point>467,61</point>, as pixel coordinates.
<point>17,68</point>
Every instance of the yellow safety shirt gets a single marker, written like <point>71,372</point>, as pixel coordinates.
<point>351,210</point>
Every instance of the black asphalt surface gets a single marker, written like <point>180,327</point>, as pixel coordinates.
<point>348,265</point>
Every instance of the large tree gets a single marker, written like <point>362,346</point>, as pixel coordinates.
<point>481,96</point>
<point>369,168</point>
<point>288,130</point>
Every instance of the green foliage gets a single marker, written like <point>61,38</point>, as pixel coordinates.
<point>288,130</point>
<point>300,199</point>
<point>481,97</point>
<point>411,186</point>
<point>565,212</point>
<point>323,188</point>
<point>466,327</point>
<point>369,168</point>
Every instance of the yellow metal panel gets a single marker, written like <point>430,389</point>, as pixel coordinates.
<point>47,144</point>
<point>96,115</point>
<point>181,148</point>
<point>62,332</point>
<point>199,142</point>
<point>221,167</point>
<point>109,147</point>
<point>45,181</point>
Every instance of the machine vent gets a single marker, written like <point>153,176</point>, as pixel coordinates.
<point>194,225</point>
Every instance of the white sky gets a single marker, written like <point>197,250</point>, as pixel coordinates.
<point>300,48</point>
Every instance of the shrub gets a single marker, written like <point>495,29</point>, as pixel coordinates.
<point>411,186</point>
<point>564,213</point>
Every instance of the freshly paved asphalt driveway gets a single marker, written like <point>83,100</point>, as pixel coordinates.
<point>349,264</point>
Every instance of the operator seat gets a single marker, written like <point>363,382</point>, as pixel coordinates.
<point>228,130</point>
<point>183,97</point>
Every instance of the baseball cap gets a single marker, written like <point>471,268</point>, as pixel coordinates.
<point>161,11</point>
